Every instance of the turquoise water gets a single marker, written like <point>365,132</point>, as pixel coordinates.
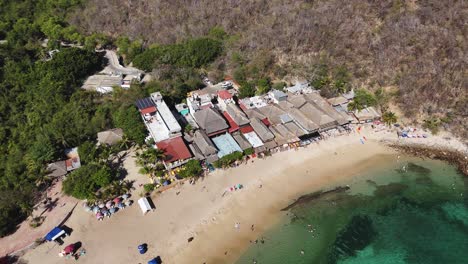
<point>410,211</point>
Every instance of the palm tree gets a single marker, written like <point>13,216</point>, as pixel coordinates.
<point>389,118</point>
<point>125,143</point>
<point>121,187</point>
<point>150,160</point>
<point>353,106</point>
<point>149,156</point>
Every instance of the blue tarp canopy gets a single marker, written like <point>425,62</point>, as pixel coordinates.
<point>154,261</point>
<point>53,233</point>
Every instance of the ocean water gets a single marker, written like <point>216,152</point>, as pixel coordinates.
<point>405,211</point>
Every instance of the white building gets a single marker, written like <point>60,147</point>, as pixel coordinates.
<point>300,88</point>
<point>198,101</point>
<point>129,78</point>
<point>252,102</point>
<point>277,96</point>
<point>102,83</point>
<point>158,118</point>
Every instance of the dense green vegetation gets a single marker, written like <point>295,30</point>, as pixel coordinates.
<point>85,181</point>
<point>191,169</point>
<point>191,53</point>
<point>249,151</point>
<point>330,82</point>
<point>134,129</point>
<point>362,99</point>
<point>150,161</point>
<point>389,118</point>
<point>43,111</point>
<point>228,159</point>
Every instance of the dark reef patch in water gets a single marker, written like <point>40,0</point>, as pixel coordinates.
<point>390,189</point>
<point>412,167</point>
<point>308,198</point>
<point>354,237</point>
<point>372,183</point>
<point>425,180</point>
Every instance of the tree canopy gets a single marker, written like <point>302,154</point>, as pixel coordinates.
<point>191,169</point>
<point>362,99</point>
<point>128,118</point>
<point>191,53</point>
<point>86,180</point>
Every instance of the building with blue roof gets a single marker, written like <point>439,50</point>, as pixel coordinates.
<point>226,145</point>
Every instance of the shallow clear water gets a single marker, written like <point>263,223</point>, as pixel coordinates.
<point>410,211</point>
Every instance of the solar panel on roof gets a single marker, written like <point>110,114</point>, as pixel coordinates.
<point>144,103</point>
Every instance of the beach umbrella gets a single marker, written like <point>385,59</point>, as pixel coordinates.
<point>112,210</point>
<point>142,248</point>
<point>99,215</point>
<point>102,205</point>
<point>95,209</point>
<point>125,196</point>
<point>69,249</point>
<point>87,208</point>
<point>120,205</point>
<point>117,200</point>
<point>128,203</point>
<point>109,204</point>
<point>154,261</point>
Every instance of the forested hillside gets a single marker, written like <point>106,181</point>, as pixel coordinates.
<point>417,46</point>
<point>43,111</point>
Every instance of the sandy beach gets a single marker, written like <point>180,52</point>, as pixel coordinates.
<point>203,212</point>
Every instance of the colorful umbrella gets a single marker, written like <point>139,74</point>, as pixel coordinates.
<point>125,196</point>
<point>69,249</point>
<point>117,200</point>
<point>109,204</point>
<point>112,210</point>
<point>128,203</point>
<point>95,209</point>
<point>120,205</point>
<point>101,205</point>
<point>99,215</point>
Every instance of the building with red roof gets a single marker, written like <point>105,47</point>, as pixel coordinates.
<point>176,152</point>
<point>224,99</point>
<point>246,129</point>
<point>224,94</point>
<point>232,125</point>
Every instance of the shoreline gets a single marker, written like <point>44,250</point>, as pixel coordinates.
<point>202,212</point>
<point>266,209</point>
<point>454,157</point>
